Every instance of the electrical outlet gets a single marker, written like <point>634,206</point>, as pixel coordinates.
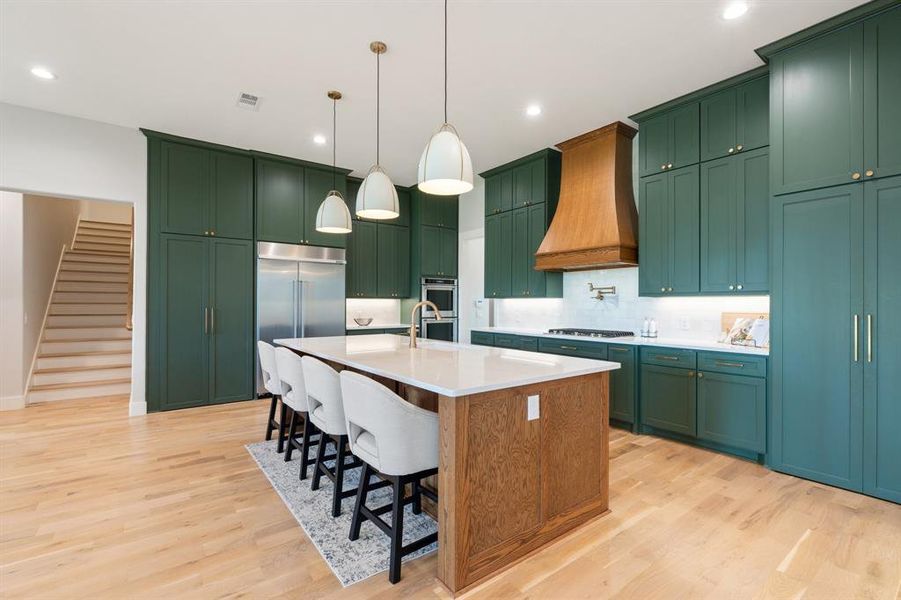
<point>683,324</point>
<point>534,407</point>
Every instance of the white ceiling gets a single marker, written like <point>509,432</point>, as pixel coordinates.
<point>178,67</point>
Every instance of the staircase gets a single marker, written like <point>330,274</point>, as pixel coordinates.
<point>85,348</point>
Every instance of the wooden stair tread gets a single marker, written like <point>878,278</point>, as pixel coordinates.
<point>70,340</point>
<point>57,327</point>
<point>85,368</point>
<point>84,353</point>
<point>78,384</point>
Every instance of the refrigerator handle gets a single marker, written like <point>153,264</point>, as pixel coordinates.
<point>294,307</point>
<point>299,307</point>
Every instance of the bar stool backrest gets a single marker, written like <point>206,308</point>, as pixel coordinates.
<point>290,372</point>
<point>270,371</point>
<point>324,396</point>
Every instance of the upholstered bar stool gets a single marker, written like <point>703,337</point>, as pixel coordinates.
<point>398,442</point>
<point>273,385</point>
<point>294,394</point>
<point>327,413</point>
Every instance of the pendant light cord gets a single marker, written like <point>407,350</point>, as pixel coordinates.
<point>445,61</point>
<point>378,79</point>
<point>334,142</point>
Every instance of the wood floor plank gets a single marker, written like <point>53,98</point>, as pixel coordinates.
<point>171,505</point>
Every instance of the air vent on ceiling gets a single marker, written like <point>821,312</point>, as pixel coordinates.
<point>248,101</point>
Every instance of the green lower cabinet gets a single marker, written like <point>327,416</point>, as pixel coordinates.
<point>516,342</point>
<point>623,382</point>
<point>732,410</point>
<point>231,321</point>
<point>669,399</point>
<point>481,338</point>
<point>595,350</point>
<point>377,330</point>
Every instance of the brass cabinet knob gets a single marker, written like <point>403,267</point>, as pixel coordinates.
<point>731,287</point>
<point>700,375</point>
<point>739,286</point>
<point>669,289</point>
<point>731,150</point>
<point>855,175</point>
<point>212,232</point>
<point>663,289</point>
<point>739,147</point>
<point>669,165</point>
<point>663,166</point>
<point>691,373</point>
<point>869,173</point>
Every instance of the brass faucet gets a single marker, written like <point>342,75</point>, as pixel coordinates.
<point>413,319</point>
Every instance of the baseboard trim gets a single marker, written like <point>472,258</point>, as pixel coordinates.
<point>136,409</point>
<point>12,402</point>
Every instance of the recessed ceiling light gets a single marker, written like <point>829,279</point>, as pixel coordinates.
<point>319,139</point>
<point>735,10</point>
<point>42,73</point>
<point>533,110</point>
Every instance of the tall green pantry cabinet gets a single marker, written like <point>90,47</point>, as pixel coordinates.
<point>200,274</point>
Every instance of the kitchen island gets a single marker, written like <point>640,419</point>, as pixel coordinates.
<point>523,441</point>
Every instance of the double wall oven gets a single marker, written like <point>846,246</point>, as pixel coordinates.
<point>443,293</point>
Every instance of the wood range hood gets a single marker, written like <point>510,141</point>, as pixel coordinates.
<point>596,222</point>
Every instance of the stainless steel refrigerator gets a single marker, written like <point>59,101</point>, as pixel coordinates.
<point>300,293</point>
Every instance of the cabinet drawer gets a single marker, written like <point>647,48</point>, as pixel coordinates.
<point>572,348</point>
<point>363,331</point>
<point>669,357</point>
<point>398,330</point>
<point>516,342</point>
<point>481,338</point>
<point>735,364</point>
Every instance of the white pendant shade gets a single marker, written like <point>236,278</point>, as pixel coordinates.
<point>333,215</point>
<point>445,168</point>
<point>377,196</point>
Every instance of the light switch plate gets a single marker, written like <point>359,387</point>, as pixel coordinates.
<point>534,407</point>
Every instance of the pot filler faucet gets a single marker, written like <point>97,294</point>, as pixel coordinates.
<point>413,318</point>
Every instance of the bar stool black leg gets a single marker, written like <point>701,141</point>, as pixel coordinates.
<point>317,466</point>
<point>292,432</point>
<point>339,476</point>
<point>308,429</point>
<point>397,531</point>
<point>271,417</point>
<point>282,425</point>
<point>362,492</point>
<point>417,497</point>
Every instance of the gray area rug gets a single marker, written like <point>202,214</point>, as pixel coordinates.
<point>350,561</point>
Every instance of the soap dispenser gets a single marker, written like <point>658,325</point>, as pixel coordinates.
<point>645,327</point>
<point>652,329</point>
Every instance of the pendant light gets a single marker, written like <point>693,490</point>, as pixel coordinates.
<point>445,168</point>
<point>333,215</point>
<point>377,196</point>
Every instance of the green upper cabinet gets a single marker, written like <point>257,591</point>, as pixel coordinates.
<point>881,351</point>
<point>317,184</point>
<point>498,254</point>
<point>448,250</point>
<point>529,183</point>
<point>205,192</point>
<point>404,198</point>
<point>735,223</point>
<point>438,211</point>
<point>499,193</point>
<point>669,140</point>
<point>882,94</point>
<point>439,252</point>
<point>393,261</point>
<point>530,223</point>
<point>362,273</point>
<point>279,191</point>
<point>735,119</point>
<point>669,234</point>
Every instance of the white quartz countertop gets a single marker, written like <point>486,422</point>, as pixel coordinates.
<point>445,368</point>
<point>378,326</point>
<point>687,343</point>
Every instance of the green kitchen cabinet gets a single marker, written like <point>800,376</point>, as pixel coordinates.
<point>732,410</point>
<point>668,399</point>
<point>529,183</point>
<point>404,198</point>
<point>735,119</point>
<point>516,342</point>
<point>881,332</point>
<point>669,233</point>
<point>448,252</point>
<point>481,338</point>
<point>499,193</point>
<point>279,201</point>
<point>202,352</point>
<point>669,140</point>
<point>522,259</point>
<point>438,211</point>
<point>205,192</point>
<point>393,261</point>
<point>623,382</point>
<point>498,257</point>
<point>362,271</point>
<point>317,184</point>
<point>882,95</point>
<point>530,223</point>
<point>439,252</point>
<point>577,348</point>
<point>816,365</point>
<point>231,334</point>
<point>735,223</point>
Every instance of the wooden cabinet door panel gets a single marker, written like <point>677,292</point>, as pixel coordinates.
<point>317,184</point>
<point>668,399</point>
<point>280,202</point>
<point>684,230</point>
<point>817,102</point>
<point>231,199</point>
<point>185,189</point>
<point>653,144</point>
<point>718,225</point>
<point>718,124</point>
<point>231,320</point>
<point>882,351</point>
<point>752,114</point>
<point>816,383</point>
<point>732,410</point>
<point>653,274</point>
<point>684,136</point>
<point>753,221</point>
<point>183,321</point>
<point>882,94</point>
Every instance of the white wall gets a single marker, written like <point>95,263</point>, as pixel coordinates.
<point>12,384</point>
<point>48,225</point>
<point>472,307</point>
<point>57,155</point>
<point>110,212</point>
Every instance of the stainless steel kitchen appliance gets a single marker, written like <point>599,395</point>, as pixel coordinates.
<point>435,329</point>
<point>300,293</point>
<point>443,293</point>
<point>595,333</point>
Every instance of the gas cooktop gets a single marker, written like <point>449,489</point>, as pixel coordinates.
<point>597,333</point>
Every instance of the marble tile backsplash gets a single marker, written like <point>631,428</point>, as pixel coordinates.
<point>677,317</point>
<point>383,312</point>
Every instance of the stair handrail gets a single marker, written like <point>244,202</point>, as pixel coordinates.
<point>129,324</point>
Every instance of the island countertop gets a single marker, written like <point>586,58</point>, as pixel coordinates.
<point>449,369</point>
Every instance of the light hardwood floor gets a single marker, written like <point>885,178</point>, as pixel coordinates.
<point>94,504</point>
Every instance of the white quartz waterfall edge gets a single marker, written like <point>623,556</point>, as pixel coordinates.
<point>349,561</point>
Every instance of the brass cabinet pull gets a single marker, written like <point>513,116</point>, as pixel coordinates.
<point>869,173</point>
<point>663,289</point>
<point>869,338</point>
<point>856,338</point>
<point>206,320</point>
<point>568,347</point>
<point>739,147</point>
<point>739,286</point>
<point>207,232</point>
<point>731,287</point>
<point>663,166</point>
<point>855,175</point>
<point>669,289</point>
<point>692,374</point>
<point>700,375</point>
<point>615,349</point>
<point>669,165</point>
<point>731,150</point>
<point>722,363</point>
<point>213,320</point>
<point>665,357</point>
<point>212,232</point>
